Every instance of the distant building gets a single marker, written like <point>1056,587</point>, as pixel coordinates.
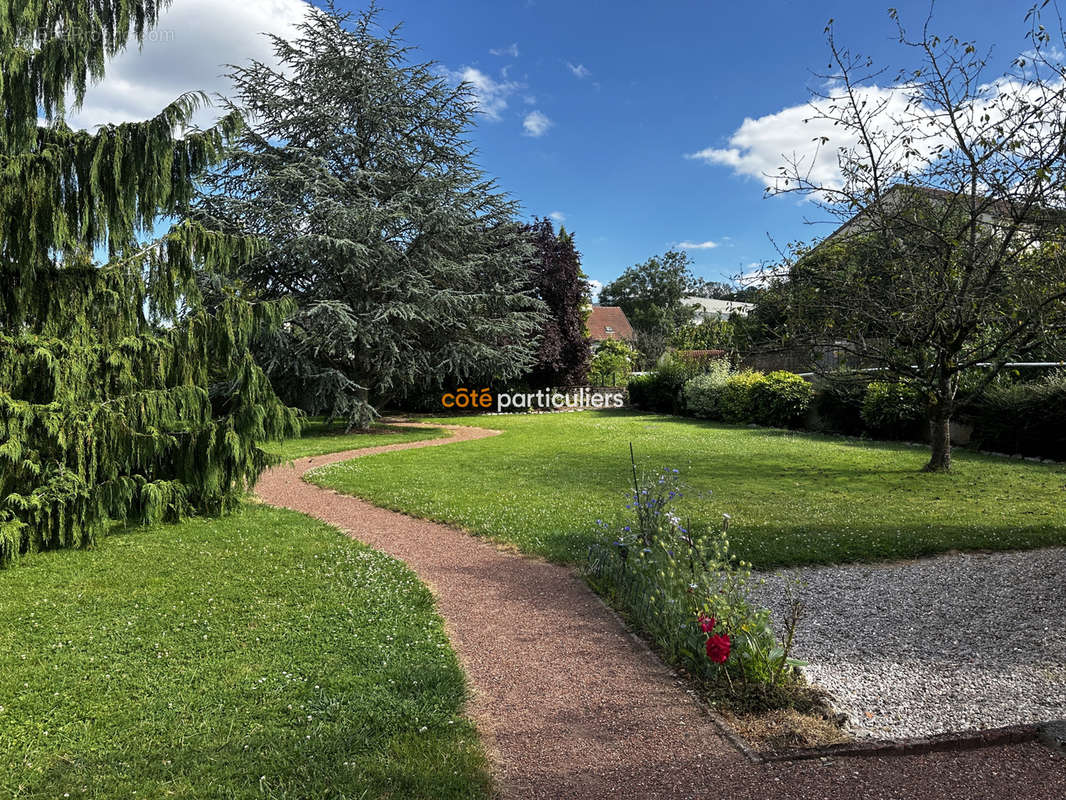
<point>609,322</point>
<point>706,308</point>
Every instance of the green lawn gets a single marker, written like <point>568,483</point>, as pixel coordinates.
<point>263,655</point>
<point>318,439</point>
<point>794,498</point>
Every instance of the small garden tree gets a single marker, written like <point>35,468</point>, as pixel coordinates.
<point>953,254</point>
<point>563,356</point>
<point>121,396</point>
<point>407,267</point>
<point>612,364</point>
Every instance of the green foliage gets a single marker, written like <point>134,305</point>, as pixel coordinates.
<point>838,403</point>
<point>121,395</point>
<point>893,410</point>
<point>650,393</point>
<point>795,498</point>
<point>51,49</point>
<point>260,655</point>
<point>650,294</point>
<point>781,400</point>
<point>710,334</point>
<point>408,269</point>
<point>612,364</point>
<point>702,395</point>
<point>660,390</point>
<point>737,402</point>
<point>1026,418</point>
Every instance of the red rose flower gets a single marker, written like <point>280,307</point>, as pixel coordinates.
<point>718,648</point>
<point>706,623</point>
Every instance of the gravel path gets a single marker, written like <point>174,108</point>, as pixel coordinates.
<point>952,643</point>
<point>572,707</point>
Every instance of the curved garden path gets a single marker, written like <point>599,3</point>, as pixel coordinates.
<point>570,705</point>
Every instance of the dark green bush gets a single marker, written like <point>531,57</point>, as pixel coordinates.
<point>653,392</point>
<point>661,390</point>
<point>838,403</point>
<point>781,400</point>
<point>1026,418</point>
<point>893,411</point>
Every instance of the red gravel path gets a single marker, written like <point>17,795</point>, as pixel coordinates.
<point>572,707</point>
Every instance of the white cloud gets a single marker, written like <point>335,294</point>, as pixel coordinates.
<point>186,51</point>
<point>760,274</point>
<point>708,245</point>
<point>510,50</point>
<point>491,95</point>
<point>800,137</point>
<point>760,147</point>
<point>579,70</point>
<point>558,216</point>
<point>595,287</point>
<point>536,124</point>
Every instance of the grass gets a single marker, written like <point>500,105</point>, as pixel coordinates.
<point>319,439</point>
<point>262,655</point>
<point>795,498</point>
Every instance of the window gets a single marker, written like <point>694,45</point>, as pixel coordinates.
<point>608,329</point>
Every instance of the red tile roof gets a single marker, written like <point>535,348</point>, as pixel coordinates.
<point>609,322</point>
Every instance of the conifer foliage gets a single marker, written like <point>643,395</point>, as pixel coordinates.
<point>406,264</point>
<point>121,396</point>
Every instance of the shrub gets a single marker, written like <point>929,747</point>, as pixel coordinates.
<point>893,410</point>
<point>701,396</point>
<point>661,390</point>
<point>838,403</point>
<point>650,393</point>
<point>612,364</point>
<point>737,398</point>
<point>1026,418</point>
<point>781,400</point>
<point>686,591</point>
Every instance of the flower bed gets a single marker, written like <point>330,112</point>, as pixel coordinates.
<point>681,587</point>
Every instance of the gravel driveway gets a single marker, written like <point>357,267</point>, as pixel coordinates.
<point>957,642</point>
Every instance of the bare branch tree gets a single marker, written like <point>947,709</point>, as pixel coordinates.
<point>951,256</point>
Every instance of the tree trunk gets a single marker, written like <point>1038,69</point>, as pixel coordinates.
<point>940,436</point>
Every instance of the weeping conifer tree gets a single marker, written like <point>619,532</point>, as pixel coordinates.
<point>121,397</point>
<point>406,264</point>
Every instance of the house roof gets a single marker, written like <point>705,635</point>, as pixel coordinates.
<point>989,209</point>
<point>609,322</point>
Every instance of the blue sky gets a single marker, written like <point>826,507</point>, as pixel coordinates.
<point>630,88</point>
<point>618,94</point>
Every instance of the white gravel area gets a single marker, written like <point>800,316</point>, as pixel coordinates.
<point>952,643</point>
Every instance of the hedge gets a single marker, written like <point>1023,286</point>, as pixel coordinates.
<point>738,396</point>
<point>781,400</point>
<point>1025,418</point>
